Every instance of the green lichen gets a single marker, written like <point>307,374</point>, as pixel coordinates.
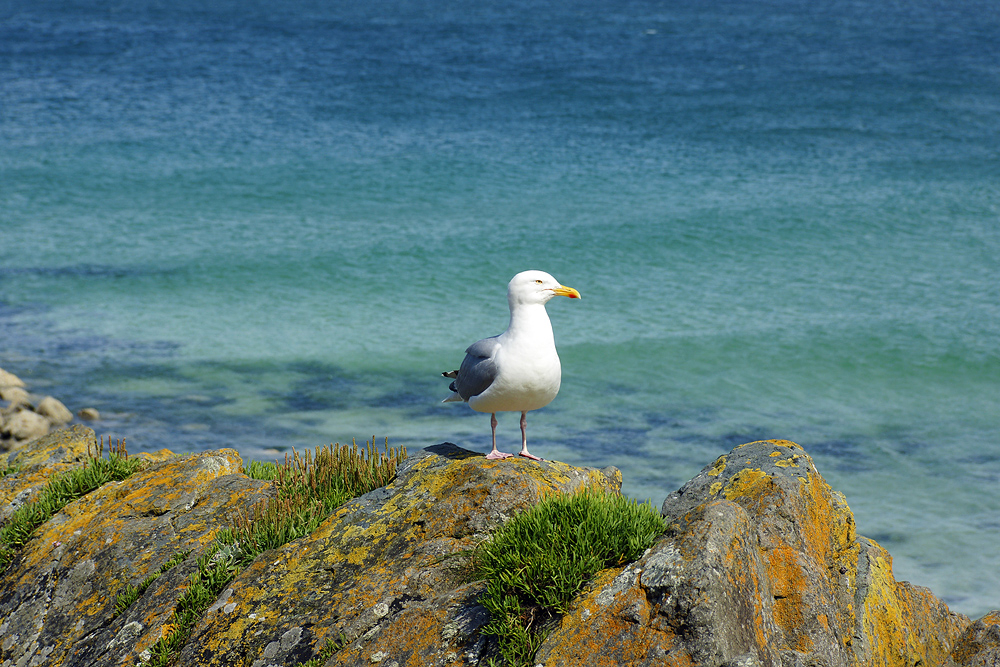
<point>537,562</point>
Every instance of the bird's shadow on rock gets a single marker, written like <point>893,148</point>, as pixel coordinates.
<point>450,450</point>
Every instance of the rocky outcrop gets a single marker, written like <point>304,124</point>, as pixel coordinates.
<point>979,645</point>
<point>760,566</point>
<point>57,598</point>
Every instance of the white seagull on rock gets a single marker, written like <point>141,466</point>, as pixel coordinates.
<point>518,370</point>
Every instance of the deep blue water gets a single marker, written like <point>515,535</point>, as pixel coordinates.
<point>266,225</point>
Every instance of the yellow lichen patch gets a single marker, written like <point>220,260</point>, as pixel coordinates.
<point>413,642</point>
<point>715,488</point>
<point>718,466</point>
<point>904,624</point>
<point>153,457</point>
<point>16,486</point>
<point>828,529</point>
<point>883,621</point>
<point>787,463</point>
<point>749,482</point>
<point>774,443</point>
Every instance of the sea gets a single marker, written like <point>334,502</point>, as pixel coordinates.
<point>272,224</point>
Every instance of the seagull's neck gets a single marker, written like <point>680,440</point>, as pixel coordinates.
<point>530,321</point>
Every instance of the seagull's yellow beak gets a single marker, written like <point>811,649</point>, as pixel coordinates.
<point>562,290</point>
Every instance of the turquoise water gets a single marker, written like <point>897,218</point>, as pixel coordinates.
<point>271,225</point>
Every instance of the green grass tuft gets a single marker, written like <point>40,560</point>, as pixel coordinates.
<point>537,562</point>
<point>61,491</point>
<point>325,653</point>
<point>309,488</point>
<point>258,470</point>
<point>129,594</point>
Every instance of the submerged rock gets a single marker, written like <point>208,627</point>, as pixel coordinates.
<point>760,566</point>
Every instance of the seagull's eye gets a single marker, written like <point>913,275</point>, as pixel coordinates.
<point>539,282</point>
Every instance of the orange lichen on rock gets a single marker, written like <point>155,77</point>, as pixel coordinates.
<point>760,565</point>
<point>38,461</point>
<point>979,645</point>
<point>61,586</point>
<point>381,567</point>
<point>809,551</point>
<point>901,624</point>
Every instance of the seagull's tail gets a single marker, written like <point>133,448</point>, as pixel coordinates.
<point>455,397</point>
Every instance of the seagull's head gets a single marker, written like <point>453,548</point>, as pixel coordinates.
<point>536,287</point>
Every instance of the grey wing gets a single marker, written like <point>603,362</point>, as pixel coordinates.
<point>478,370</point>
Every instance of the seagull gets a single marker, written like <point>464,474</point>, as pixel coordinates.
<point>518,370</point>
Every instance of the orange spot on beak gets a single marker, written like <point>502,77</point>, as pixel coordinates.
<point>562,290</point>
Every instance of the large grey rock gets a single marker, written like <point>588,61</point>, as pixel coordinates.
<point>760,566</point>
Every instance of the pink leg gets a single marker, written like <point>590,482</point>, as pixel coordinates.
<point>524,439</point>
<point>494,454</point>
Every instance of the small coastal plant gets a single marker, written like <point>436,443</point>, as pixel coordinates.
<point>62,490</point>
<point>258,470</point>
<point>537,562</point>
<point>130,593</point>
<point>331,647</point>
<point>308,489</point>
